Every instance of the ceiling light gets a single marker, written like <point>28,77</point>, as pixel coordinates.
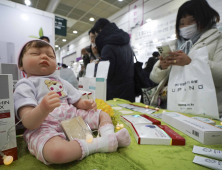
<point>91,19</point>
<point>75,32</point>
<point>64,40</point>
<point>56,46</point>
<point>27,2</point>
<point>120,0</point>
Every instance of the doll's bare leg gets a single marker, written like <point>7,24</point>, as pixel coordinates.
<point>57,150</point>
<point>104,118</point>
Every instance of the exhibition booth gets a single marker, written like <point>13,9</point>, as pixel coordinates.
<point>183,136</point>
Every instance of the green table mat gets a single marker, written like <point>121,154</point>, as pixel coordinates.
<point>133,157</point>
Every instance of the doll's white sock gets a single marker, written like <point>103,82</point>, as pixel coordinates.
<point>122,136</point>
<point>106,129</point>
<point>102,144</point>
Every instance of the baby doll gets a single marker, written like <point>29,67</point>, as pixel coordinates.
<point>43,100</point>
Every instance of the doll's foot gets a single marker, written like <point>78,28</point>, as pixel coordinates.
<point>123,138</point>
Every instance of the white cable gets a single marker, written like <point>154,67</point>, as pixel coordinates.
<point>4,146</point>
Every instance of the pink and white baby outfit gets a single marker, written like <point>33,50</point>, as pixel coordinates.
<point>30,92</point>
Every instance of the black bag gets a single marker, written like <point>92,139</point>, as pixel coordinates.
<point>139,77</point>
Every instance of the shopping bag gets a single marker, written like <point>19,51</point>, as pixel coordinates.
<point>191,88</point>
<point>148,93</point>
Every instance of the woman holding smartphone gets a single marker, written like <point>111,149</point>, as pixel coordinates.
<point>195,28</point>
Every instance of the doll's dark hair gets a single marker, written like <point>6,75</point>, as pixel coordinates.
<point>31,44</point>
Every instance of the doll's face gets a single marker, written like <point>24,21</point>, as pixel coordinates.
<point>39,61</point>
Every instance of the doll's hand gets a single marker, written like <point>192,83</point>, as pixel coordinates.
<point>50,102</point>
<point>91,104</point>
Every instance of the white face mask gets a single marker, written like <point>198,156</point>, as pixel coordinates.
<point>189,31</point>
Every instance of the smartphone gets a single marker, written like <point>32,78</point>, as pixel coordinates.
<point>164,50</point>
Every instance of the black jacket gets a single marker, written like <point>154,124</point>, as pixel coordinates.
<point>113,45</point>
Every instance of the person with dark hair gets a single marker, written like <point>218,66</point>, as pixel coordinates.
<point>82,72</point>
<point>195,28</point>
<point>64,66</point>
<point>113,46</point>
<point>151,62</point>
<point>44,38</point>
<point>149,67</point>
<point>90,53</point>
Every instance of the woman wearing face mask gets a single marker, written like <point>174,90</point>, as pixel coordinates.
<point>195,28</point>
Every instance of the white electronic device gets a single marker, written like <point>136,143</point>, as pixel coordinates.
<point>7,52</point>
<point>164,50</point>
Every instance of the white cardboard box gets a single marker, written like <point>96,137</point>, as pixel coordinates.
<point>7,117</point>
<point>97,86</point>
<point>206,120</point>
<point>200,131</point>
<point>156,135</point>
<point>86,94</point>
<point>139,119</point>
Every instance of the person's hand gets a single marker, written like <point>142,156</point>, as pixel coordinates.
<point>84,52</point>
<point>91,104</point>
<point>178,58</point>
<point>50,102</point>
<point>96,62</point>
<point>94,50</point>
<point>163,63</point>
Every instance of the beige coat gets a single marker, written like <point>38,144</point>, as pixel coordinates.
<point>212,39</point>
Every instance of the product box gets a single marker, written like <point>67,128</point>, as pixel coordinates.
<point>7,117</point>
<point>156,135</point>
<point>139,119</point>
<point>148,130</point>
<point>97,86</point>
<point>206,120</point>
<point>86,94</point>
<point>200,131</point>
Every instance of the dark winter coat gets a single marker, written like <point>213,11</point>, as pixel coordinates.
<point>113,45</point>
